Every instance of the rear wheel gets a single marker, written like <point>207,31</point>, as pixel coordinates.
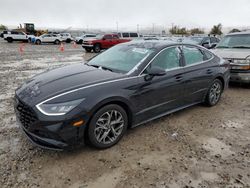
<point>57,42</point>
<point>214,93</point>
<point>107,126</point>
<point>68,41</point>
<point>80,41</point>
<point>97,48</point>
<point>9,39</point>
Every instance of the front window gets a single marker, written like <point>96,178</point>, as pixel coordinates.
<point>121,58</point>
<point>167,59</point>
<point>235,41</point>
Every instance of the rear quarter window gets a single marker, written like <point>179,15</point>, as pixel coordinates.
<point>192,55</point>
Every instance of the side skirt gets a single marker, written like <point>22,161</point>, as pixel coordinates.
<point>165,113</point>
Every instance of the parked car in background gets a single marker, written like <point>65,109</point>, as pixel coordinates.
<point>3,32</point>
<point>150,37</point>
<point>79,40</point>
<point>121,88</point>
<point>129,35</point>
<point>11,36</point>
<point>102,42</point>
<point>235,48</point>
<point>48,38</point>
<point>208,42</point>
<point>66,37</point>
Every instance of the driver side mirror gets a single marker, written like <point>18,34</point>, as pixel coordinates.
<point>206,45</point>
<point>103,38</point>
<point>156,71</point>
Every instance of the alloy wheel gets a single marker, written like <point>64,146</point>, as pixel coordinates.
<point>109,127</point>
<point>215,93</point>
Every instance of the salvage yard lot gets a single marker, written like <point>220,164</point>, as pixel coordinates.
<point>196,147</point>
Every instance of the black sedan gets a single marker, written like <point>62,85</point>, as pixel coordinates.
<point>123,87</point>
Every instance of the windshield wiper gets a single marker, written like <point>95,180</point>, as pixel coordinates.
<point>240,46</point>
<point>101,67</point>
<point>222,46</point>
<point>106,68</point>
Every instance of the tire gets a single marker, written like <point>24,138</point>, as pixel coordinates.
<point>80,41</point>
<point>57,42</point>
<point>88,50</point>
<point>214,93</point>
<point>68,40</point>
<point>29,40</point>
<point>96,132</point>
<point>10,40</point>
<point>38,42</point>
<point>97,48</point>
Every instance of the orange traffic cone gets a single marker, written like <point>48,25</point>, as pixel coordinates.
<point>21,48</point>
<point>74,45</point>
<point>62,47</point>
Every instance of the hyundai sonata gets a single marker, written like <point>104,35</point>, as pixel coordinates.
<point>123,87</point>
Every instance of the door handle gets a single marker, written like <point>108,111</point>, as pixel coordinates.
<point>179,78</point>
<point>209,71</point>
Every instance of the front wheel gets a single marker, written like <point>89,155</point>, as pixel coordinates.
<point>107,126</point>
<point>214,93</point>
<point>38,42</point>
<point>97,48</point>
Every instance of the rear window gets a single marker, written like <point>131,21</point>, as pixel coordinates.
<point>133,35</point>
<point>192,55</point>
<point>125,34</point>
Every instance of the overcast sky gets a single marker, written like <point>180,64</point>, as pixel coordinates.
<point>128,13</point>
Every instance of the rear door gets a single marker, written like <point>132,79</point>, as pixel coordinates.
<point>46,38</point>
<point>161,94</point>
<point>198,72</point>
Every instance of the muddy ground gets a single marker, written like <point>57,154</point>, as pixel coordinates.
<point>196,147</point>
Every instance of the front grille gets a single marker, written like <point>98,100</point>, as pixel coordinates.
<point>25,114</point>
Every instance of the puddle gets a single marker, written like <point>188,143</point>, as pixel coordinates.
<point>216,147</point>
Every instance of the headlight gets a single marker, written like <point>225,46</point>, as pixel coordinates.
<point>241,64</point>
<point>241,61</point>
<point>58,109</point>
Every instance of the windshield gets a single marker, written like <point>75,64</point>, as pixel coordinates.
<point>197,39</point>
<point>121,58</point>
<point>99,36</point>
<point>235,41</point>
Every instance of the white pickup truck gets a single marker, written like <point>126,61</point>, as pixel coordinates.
<point>11,36</point>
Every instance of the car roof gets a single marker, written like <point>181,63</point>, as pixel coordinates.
<point>157,45</point>
<point>239,33</point>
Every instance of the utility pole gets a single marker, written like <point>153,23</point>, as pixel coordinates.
<point>138,30</point>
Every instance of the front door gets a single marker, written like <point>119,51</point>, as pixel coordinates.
<point>160,94</point>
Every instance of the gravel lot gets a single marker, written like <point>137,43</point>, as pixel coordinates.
<point>196,147</point>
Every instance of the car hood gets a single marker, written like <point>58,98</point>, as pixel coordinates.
<point>234,53</point>
<point>57,81</point>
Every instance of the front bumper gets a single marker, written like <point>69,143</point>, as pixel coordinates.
<point>87,45</point>
<point>242,77</point>
<point>52,133</point>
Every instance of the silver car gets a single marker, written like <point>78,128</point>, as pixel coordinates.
<point>235,48</point>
